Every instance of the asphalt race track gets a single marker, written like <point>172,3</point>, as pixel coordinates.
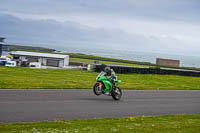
<point>43,105</point>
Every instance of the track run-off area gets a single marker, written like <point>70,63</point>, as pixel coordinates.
<point>50,104</point>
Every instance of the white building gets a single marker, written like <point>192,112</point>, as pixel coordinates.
<point>46,59</point>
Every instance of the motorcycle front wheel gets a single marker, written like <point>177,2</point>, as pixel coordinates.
<point>116,93</point>
<point>97,89</point>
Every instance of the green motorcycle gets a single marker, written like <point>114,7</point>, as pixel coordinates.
<point>105,86</point>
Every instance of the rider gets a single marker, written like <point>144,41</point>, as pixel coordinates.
<point>109,73</point>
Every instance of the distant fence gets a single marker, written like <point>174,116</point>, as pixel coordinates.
<point>126,69</point>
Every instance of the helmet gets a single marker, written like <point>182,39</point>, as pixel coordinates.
<point>107,69</point>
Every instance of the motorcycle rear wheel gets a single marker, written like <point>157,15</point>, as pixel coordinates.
<point>116,93</point>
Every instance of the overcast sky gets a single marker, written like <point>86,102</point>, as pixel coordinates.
<point>170,26</point>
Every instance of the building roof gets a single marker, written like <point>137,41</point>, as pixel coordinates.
<point>2,37</point>
<point>36,54</point>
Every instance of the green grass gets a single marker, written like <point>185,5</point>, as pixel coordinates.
<point>27,78</point>
<point>148,124</point>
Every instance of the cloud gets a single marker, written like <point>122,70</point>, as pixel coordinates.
<point>163,9</point>
<point>59,35</point>
<point>50,31</point>
<point>154,25</point>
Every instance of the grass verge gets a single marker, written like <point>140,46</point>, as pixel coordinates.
<point>149,124</point>
<point>27,78</point>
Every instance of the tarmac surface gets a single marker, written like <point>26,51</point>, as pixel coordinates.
<point>44,105</point>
